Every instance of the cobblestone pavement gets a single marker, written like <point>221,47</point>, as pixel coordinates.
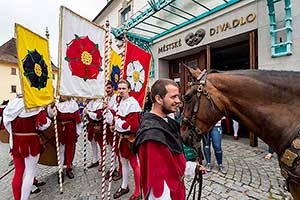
<point>248,176</point>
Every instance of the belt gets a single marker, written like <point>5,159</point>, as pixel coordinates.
<point>64,122</point>
<point>127,134</point>
<point>25,134</point>
<point>95,123</point>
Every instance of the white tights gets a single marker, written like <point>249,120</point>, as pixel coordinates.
<point>94,150</point>
<point>125,172</point>
<point>29,174</point>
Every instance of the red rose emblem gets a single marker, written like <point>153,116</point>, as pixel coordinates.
<point>84,58</point>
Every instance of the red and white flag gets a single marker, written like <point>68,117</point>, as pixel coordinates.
<point>136,71</point>
<point>81,56</point>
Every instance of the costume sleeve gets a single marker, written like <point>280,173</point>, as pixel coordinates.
<point>190,169</point>
<point>132,122</point>
<point>78,122</point>
<point>92,115</point>
<point>109,117</point>
<point>51,111</point>
<point>42,122</point>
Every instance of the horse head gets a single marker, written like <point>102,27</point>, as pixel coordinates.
<point>200,112</point>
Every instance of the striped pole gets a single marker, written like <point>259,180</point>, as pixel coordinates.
<point>58,156</point>
<point>103,160</point>
<point>112,158</point>
<point>123,56</point>
<point>84,128</point>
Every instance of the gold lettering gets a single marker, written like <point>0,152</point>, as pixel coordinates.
<point>228,26</point>
<point>222,27</point>
<point>242,22</point>
<point>235,23</point>
<point>251,17</point>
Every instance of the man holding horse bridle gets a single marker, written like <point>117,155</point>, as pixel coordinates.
<point>158,144</point>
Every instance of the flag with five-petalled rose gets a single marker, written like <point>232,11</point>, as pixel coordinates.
<point>81,56</point>
<point>136,71</point>
<point>35,68</point>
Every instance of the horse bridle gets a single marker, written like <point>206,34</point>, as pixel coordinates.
<point>201,90</point>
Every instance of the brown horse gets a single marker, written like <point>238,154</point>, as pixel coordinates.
<point>266,102</point>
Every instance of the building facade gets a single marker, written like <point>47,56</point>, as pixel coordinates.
<point>218,34</point>
<point>247,34</point>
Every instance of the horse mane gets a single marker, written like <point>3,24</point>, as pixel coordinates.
<point>284,80</point>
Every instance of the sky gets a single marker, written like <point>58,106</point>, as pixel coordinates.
<point>36,15</point>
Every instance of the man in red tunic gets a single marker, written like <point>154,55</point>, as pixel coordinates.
<point>23,126</point>
<point>94,112</point>
<point>112,102</point>
<point>69,128</point>
<point>126,124</point>
<point>162,162</point>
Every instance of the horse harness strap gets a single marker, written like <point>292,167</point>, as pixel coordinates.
<point>201,90</point>
<point>198,178</point>
<point>290,160</point>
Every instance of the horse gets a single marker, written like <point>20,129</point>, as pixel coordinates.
<point>266,102</point>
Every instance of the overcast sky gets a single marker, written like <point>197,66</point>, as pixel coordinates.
<point>37,14</point>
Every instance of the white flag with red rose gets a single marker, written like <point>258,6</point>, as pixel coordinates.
<point>81,54</point>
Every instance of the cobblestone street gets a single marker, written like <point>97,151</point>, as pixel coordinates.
<point>248,176</point>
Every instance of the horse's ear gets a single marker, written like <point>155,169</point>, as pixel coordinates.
<point>195,72</point>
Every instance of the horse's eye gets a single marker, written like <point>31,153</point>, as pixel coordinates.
<point>187,97</point>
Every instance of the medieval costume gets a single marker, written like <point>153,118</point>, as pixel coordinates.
<point>95,128</point>
<point>159,146</point>
<point>23,126</point>
<point>117,174</point>
<point>69,128</point>
<point>126,124</point>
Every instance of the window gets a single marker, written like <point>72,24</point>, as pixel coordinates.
<point>281,33</point>
<point>53,76</point>
<point>13,71</point>
<point>13,89</point>
<point>125,14</point>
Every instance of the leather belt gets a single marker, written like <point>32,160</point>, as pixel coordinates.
<point>25,134</point>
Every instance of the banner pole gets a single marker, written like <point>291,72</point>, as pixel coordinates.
<point>103,157</point>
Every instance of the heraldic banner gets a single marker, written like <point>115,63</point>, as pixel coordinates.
<point>136,71</point>
<point>81,56</point>
<point>35,68</point>
<point>114,68</point>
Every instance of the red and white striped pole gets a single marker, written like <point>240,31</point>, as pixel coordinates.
<point>113,155</point>
<point>103,157</point>
<point>112,158</point>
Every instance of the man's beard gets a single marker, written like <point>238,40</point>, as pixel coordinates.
<point>165,110</point>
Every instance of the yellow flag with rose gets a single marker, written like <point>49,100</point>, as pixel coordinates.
<point>35,68</point>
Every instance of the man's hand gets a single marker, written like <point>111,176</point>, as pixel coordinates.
<point>201,169</point>
<point>112,128</point>
<point>86,111</point>
<point>105,105</point>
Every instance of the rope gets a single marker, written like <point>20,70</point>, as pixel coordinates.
<point>84,128</point>
<point>103,160</point>
<point>58,157</point>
